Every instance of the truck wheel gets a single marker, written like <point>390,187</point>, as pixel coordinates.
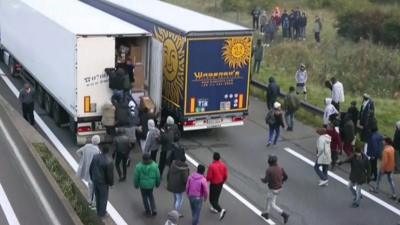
<point>57,113</point>
<point>48,102</point>
<point>40,96</point>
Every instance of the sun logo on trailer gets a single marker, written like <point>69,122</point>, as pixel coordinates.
<point>237,52</point>
<point>174,63</point>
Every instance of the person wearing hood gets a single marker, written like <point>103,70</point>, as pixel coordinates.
<point>323,156</point>
<point>146,178</point>
<point>273,92</point>
<point>367,117</point>
<point>169,135</point>
<point>275,176</point>
<point>152,143</point>
<point>301,80</point>
<point>87,152</point>
<point>176,181</point>
<point>274,119</point>
<point>197,191</point>
<point>374,151</point>
<point>359,174</point>
<point>396,145</point>
<point>173,218</point>
<point>330,112</point>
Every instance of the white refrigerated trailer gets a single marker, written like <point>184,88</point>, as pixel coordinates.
<point>63,47</point>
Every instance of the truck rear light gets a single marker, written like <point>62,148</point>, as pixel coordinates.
<point>87,105</point>
<point>84,129</point>
<point>237,119</point>
<point>189,123</point>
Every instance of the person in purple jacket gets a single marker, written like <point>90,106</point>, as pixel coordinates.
<point>197,191</point>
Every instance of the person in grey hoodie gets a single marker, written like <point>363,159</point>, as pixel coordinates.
<point>87,152</point>
<point>176,181</point>
<point>152,140</point>
<point>26,98</point>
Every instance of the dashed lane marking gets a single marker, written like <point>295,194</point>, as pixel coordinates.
<point>7,208</point>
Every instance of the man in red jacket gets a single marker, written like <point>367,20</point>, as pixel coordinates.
<point>336,144</point>
<point>217,175</point>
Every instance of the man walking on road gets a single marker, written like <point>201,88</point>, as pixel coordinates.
<point>197,191</point>
<point>323,156</point>
<point>291,105</point>
<point>359,174</point>
<point>87,152</point>
<point>274,177</point>
<point>337,93</point>
<point>176,181</point>
<point>374,151</point>
<point>273,92</point>
<point>26,98</point>
<point>122,150</point>
<point>147,177</point>
<point>217,175</point>
<point>102,175</point>
<point>274,120</point>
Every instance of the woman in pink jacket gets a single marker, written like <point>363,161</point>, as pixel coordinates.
<point>197,191</point>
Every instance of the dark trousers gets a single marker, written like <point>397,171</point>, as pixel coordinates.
<point>323,175</point>
<point>337,105</point>
<point>101,194</point>
<point>317,37</point>
<point>27,112</point>
<point>215,192</point>
<point>255,23</point>
<point>334,156</point>
<point>153,155</point>
<point>256,67</point>
<point>373,162</point>
<point>121,158</point>
<point>163,160</point>
<point>274,131</point>
<point>148,200</point>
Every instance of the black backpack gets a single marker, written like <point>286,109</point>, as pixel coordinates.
<point>270,118</point>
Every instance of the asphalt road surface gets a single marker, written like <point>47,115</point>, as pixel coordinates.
<point>245,152</point>
<point>20,201</point>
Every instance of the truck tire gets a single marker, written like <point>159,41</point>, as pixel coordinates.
<point>57,113</point>
<point>40,96</point>
<point>48,103</point>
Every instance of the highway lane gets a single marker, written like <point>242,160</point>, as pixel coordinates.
<point>243,148</point>
<point>18,187</point>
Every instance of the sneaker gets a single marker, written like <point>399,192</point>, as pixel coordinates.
<point>323,183</point>
<point>154,213</point>
<point>373,190</point>
<point>355,205</point>
<point>222,214</point>
<point>393,197</point>
<point>285,217</point>
<point>213,210</point>
<point>265,215</point>
<point>269,144</point>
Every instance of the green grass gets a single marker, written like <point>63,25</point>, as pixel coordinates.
<point>361,67</point>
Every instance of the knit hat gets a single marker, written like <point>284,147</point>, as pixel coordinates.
<point>96,139</point>
<point>173,216</point>
<point>277,105</point>
<point>170,120</point>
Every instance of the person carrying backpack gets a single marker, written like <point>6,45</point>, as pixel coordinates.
<point>291,105</point>
<point>152,143</point>
<point>274,120</point>
<point>168,136</point>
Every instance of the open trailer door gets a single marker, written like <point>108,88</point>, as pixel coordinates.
<point>156,73</point>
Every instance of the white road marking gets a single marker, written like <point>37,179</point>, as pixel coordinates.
<point>236,195</point>
<point>7,208</point>
<point>345,182</point>
<point>29,175</point>
<point>64,152</point>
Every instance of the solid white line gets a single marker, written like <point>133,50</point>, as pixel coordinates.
<point>236,195</point>
<point>29,175</point>
<point>7,208</point>
<point>64,152</point>
<point>345,182</point>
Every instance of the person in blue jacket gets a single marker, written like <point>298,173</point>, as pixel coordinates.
<point>374,151</point>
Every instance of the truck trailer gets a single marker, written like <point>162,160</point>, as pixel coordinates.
<point>64,47</point>
<point>206,61</point>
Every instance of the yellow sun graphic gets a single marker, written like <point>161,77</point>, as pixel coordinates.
<point>237,52</point>
<point>174,64</point>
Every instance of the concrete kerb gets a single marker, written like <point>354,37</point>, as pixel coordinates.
<point>30,137</point>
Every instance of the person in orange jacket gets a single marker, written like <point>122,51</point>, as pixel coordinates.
<point>387,166</point>
<point>217,175</point>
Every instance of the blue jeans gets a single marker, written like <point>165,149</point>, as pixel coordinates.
<point>390,180</point>
<point>323,175</point>
<point>273,130</point>
<point>195,206</point>
<point>356,191</point>
<point>289,119</point>
<point>178,201</point>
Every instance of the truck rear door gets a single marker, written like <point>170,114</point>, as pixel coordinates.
<point>156,70</point>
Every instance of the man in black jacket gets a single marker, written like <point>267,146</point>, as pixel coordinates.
<point>122,149</point>
<point>102,175</point>
<point>273,92</point>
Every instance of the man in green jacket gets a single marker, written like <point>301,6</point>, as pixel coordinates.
<point>146,177</point>
<point>291,104</point>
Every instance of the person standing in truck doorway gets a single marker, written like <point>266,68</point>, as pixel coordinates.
<point>26,98</point>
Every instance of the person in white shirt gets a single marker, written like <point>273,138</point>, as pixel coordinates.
<point>330,112</point>
<point>337,93</point>
<point>301,80</point>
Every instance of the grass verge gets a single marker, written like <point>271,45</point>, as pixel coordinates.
<point>67,186</point>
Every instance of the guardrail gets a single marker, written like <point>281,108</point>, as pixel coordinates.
<point>307,106</point>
